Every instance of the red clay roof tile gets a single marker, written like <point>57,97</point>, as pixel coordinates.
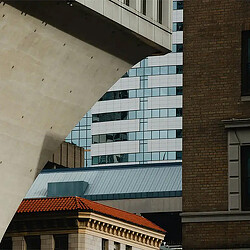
<point>81,204</point>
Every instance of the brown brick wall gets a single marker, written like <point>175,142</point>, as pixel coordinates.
<point>216,235</point>
<point>212,92</point>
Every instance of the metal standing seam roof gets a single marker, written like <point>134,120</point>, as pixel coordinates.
<point>121,182</point>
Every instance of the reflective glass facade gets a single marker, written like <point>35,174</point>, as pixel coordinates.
<point>139,120</point>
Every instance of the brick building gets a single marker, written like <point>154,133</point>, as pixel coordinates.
<point>216,124</point>
<point>74,223</point>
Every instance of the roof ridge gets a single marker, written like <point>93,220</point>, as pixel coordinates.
<point>81,204</point>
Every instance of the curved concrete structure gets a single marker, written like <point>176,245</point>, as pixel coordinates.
<point>56,60</point>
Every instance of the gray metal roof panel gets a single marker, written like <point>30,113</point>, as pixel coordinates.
<point>153,178</point>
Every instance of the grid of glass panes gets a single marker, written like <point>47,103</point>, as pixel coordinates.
<point>156,70</point>
<point>138,135</point>
<point>137,114</point>
<point>81,136</point>
<point>137,157</point>
<point>143,71</point>
<point>136,93</point>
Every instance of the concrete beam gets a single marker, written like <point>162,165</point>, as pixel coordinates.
<point>56,61</point>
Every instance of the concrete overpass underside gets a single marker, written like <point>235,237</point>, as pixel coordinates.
<point>57,58</point>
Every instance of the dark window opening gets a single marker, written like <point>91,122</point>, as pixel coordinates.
<point>160,11</point>
<point>113,95</point>
<point>33,242</point>
<point>6,243</point>
<point>116,246</point>
<point>245,87</point>
<point>61,241</point>
<point>104,244</point>
<point>178,26</point>
<point>245,174</point>
<point>144,7</point>
<point>178,5</point>
<point>169,221</point>
<point>127,2</point>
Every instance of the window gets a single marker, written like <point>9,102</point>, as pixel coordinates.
<point>33,242</point>
<point>116,246</point>
<point>160,11</point>
<point>177,48</point>
<point>245,175</point>
<point>144,7</point>
<point>61,241</point>
<point>127,2</point>
<point>104,244</point>
<point>178,26</point>
<point>178,5</point>
<point>245,87</point>
<point>128,247</point>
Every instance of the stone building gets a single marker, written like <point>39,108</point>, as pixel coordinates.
<point>75,223</point>
<point>216,124</point>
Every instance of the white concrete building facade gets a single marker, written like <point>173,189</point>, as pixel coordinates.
<point>139,120</point>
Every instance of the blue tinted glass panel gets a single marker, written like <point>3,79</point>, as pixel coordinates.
<point>171,134</point>
<point>163,91</point>
<point>172,91</point>
<point>140,71</point>
<point>163,112</point>
<point>155,134</point>
<point>155,70</point>
<point>155,113</point>
<point>155,156</point>
<point>172,112</point>
<point>171,155</point>
<point>164,70</point>
<point>148,71</point>
<point>132,72</point>
<point>155,92</point>
<point>163,134</point>
<point>172,70</point>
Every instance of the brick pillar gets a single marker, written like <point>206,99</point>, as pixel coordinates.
<point>18,243</point>
<point>47,242</point>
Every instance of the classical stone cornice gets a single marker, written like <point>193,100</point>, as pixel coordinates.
<point>112,227</point>
<point>237,123</point>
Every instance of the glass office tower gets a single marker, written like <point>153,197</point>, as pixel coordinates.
<point>139,120</point>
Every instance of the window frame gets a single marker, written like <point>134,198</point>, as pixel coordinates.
<point>245,64</point>
<point>245,198</point>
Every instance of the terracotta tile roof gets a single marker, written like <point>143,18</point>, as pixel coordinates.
<point>81,204</point>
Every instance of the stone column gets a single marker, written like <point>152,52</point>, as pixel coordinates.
<point>47,242</point>
<point>111,245</point>
<point>76,241</point>
<point>122,247</point>
<point>18,243</point>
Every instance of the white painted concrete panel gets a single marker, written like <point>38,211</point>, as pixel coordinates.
<point>177,37</point>
<point>165,123</point>
<point>165,145</point>
<point>165,81</point>
<point>115,148</point>
<point>126,83</point>
<point>178,16</point>
<point>169,59</point>
<point>115,127</point>
<point>163,102</point>
<point>116,105</point>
